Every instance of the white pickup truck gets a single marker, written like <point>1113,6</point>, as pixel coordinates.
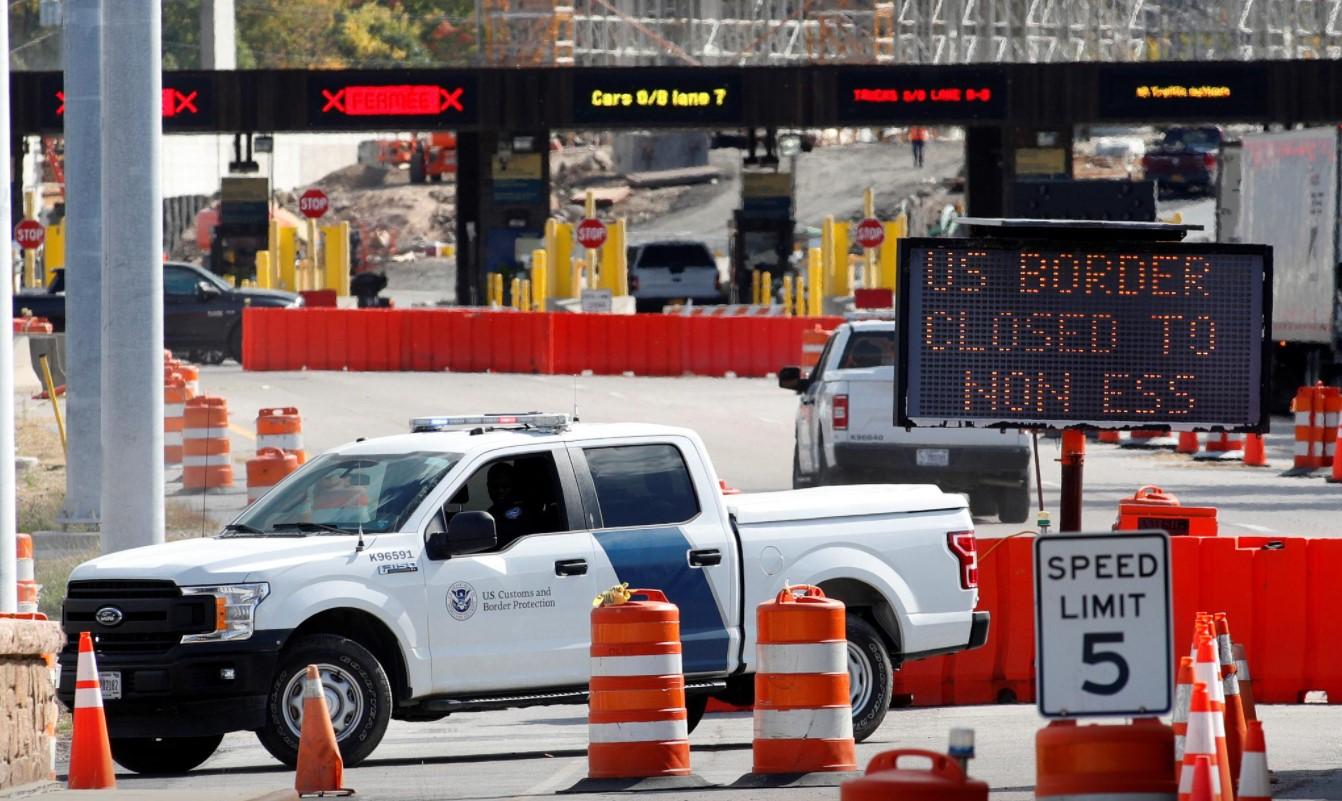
<point>453,568</point>
<point>846,431</point>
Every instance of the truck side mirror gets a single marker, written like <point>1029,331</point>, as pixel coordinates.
<point>790,377</point>
<point>206,292</point>
<point>467,533</point>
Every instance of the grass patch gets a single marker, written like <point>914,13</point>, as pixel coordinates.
<point>41,489</point>
<point>53,572</point>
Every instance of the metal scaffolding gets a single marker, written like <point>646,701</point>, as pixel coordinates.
<point>727,32</point>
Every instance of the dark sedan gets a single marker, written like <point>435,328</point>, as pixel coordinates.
<point>202,314</point>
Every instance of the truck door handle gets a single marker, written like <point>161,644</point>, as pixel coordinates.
<point>571,567</point>
<point>705,558</point>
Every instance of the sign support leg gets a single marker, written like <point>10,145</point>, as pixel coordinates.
<point>1073,459</point>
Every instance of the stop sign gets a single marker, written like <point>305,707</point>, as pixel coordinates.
<point>870,233</point>
<point>591,233</point>
<point>29,234</point>
<point>313,203</point>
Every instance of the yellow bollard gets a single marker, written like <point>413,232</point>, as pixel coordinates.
<point>869,279</point>
<point>559,247</point>
<point>335,258</point>
<point>620,258</point>
<point>495,294</point>
<point>800,310</point>
<point>53,251</point>
<point>787,296</point>
<point>524,303</point>
<point>287,264</point>
<point>754,287</point>
<point>840,264</point>
<point>895,230</point>
<point>264,279</point>
<point>30,255</point>
<point>815,283</point>
<point>766,288</point>
<point>540,280</point>
<point>516,293</point>
<point>593,255</point>
<point>273,248</point>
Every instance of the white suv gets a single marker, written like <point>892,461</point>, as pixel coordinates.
<point>846,431</point>
<point>673,271</point>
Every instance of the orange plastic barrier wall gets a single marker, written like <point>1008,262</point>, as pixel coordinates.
<point>1278,593</point>
<point>509,342</point>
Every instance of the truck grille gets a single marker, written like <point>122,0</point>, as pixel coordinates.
<point>155,615</point>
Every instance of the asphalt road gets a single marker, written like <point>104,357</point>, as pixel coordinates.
<point>532,753</point>
<point>747,425</point>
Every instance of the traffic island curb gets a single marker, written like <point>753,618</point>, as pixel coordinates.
<point>651,784</point>
<point>776,781</point>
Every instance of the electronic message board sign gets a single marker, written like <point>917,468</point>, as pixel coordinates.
<point>1163,91</point>
<point>918,94</point>
<point>1039,333</point>
<point>188,103</point>
<point>369,100</point>
<point>657,97</point>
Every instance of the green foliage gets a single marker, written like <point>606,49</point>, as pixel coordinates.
<point>289,34</point>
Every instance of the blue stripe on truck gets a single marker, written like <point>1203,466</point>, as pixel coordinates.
<point>657,559</point>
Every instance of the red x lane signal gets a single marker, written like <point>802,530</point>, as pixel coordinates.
<point>175,103</point>
<point>405,100</point>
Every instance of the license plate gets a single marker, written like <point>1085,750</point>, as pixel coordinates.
<point>1177,178</point>
<point>933,457</point>
<point>110,682</point>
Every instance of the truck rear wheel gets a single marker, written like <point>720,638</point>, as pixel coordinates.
<point>358,697</point>
<point>695,707</point>
<point>871,677</point>
<point>162,756</point>
<point>1013,504</point>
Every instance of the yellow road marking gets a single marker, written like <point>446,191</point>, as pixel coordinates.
<point>242,432</point>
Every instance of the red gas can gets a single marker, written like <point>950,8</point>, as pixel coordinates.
<point>886,781</point>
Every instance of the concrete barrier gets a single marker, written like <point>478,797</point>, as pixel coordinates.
<point>28,713</point>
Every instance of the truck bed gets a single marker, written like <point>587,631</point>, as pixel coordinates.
<point>860,500</point>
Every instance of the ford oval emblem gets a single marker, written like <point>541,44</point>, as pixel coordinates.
<point>109,616</point>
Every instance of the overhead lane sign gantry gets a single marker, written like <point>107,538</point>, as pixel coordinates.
<point>921,94</point>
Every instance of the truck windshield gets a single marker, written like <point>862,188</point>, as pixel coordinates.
<point>676,256</point>
<point>347,493</point>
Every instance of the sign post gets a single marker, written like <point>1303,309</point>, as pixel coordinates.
<point>1104,640</point>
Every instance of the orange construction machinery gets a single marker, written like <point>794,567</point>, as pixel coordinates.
<point>428,156</point>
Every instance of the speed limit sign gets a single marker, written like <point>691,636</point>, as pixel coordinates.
<point>1103,638</point>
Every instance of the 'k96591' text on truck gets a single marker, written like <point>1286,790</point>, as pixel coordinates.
<point>453,568</point>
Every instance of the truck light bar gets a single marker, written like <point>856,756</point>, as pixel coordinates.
<point>537,420</point>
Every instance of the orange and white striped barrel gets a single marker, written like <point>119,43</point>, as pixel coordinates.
<point>803,712</point>
<point>1224,443</point>
<point>1104,762</point>
<point>281,428</point>
<point>269,468</point>
<point>1331,401</point>
<point>28,588</point>
<point>812,345</point>
<point>191,375</point>
<point>637,724</point>
<point>175,396</point>
<point>206,454</point>
<point>1309,429</point>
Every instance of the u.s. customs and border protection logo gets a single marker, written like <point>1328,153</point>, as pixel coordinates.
<point>461,600</point>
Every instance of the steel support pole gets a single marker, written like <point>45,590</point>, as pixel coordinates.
<point>84,258</point>
<point>132,378</point>
<point>9,576</point>
<point>1073,460</point>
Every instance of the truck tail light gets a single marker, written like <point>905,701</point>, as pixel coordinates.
<point>633,283</point>
<point>1146,162</point>
<point>839,415</point>
<point>717,280</point>
<point>1209,160</point>
<point>965,547</point>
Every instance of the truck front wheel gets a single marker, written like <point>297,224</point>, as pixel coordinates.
<point>871,677</point>
<point>358,698</point>
<point>163,756</point>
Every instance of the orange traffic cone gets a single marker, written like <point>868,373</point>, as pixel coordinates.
<point>1202,781</point>
<point>1235,728</point>
<point>1245,682</point>
<point>1254,783</point>
<point>320,767</point>
<point>1207,670</point>
<point>1254,453</point>
<point>1200,747</point>
<point>1188,442</point>
<point>90,752</point>
<point>1110,436</point>
<point>1183,694</point>
<point>1336,476</point>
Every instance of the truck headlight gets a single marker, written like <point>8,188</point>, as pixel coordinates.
<point>234,611</point>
